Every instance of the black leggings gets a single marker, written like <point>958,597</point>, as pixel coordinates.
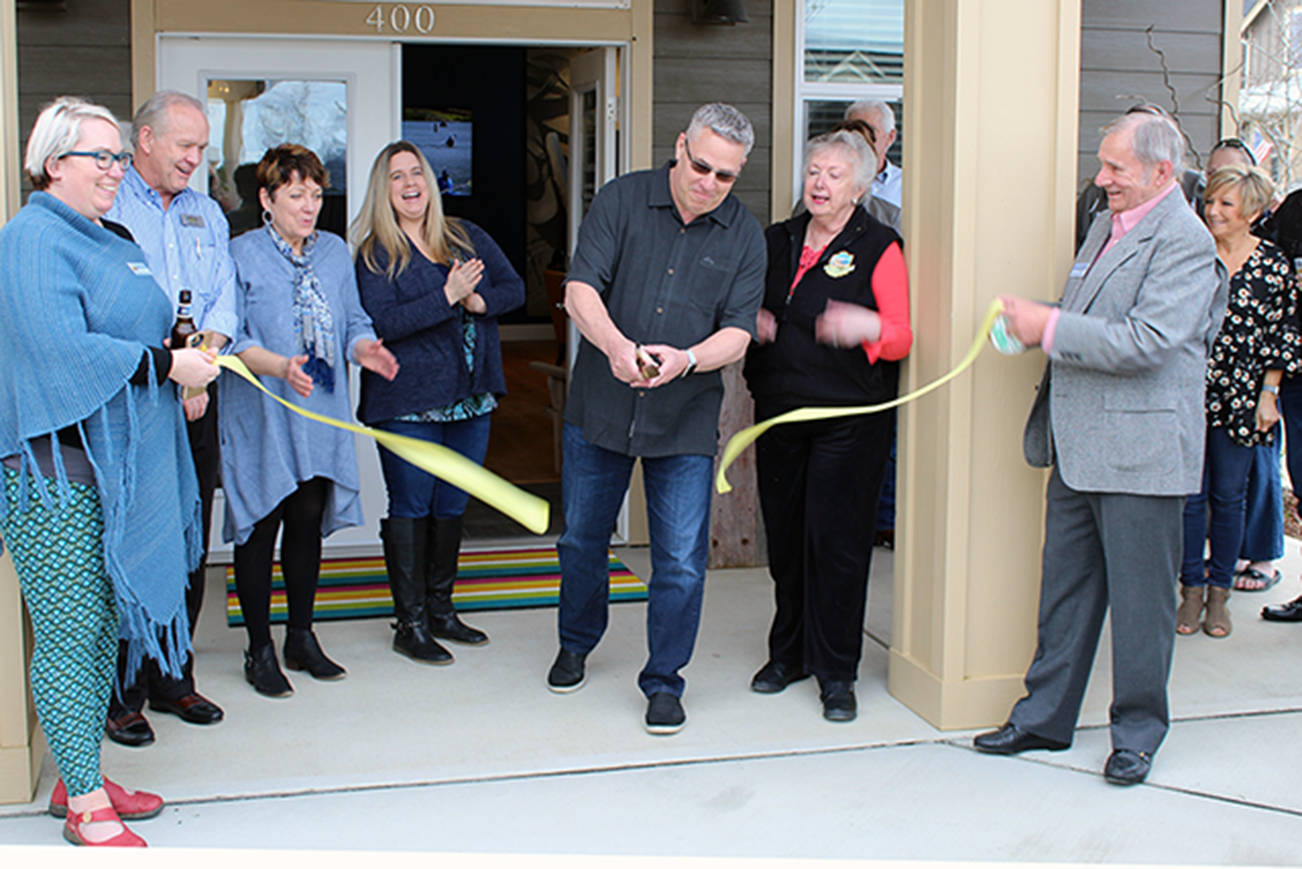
<point>300,561</point>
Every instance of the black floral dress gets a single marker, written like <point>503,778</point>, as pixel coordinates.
<point>1260,332</point>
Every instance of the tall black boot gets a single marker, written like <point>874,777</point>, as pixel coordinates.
<point>404,560</point>
<point>440,574</point>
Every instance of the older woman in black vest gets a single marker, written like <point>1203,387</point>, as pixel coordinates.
<point>831,332</point>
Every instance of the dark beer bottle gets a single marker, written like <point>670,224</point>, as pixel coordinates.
<point>184,331</point>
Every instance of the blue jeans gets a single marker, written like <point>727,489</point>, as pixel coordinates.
<point>414,493</point>
<point>593,483</point>
<point>1263,525</point>
<point>1225,486</point>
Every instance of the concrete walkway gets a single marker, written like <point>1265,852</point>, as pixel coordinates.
<point>479,758</point>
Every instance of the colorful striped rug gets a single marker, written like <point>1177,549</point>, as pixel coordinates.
<point>357,588</point>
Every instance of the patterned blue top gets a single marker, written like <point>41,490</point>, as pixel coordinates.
<point>267,450</point>
<point>186,247</point>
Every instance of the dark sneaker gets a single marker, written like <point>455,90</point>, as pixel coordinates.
<point>566,674</point>
<point>664,714</point>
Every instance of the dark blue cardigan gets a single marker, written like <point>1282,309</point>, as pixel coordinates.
<point>413,317</point>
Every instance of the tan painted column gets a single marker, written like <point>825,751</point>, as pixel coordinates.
<point>21,744</point>
<point>992,90</point>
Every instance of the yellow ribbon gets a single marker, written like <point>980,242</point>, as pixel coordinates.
<point>748,436</point>
<point>529,510</point>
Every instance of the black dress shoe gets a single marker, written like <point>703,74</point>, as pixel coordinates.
<point>1010,739</point>
<point>566,674</point>
<point>838,701</point>
<point>449,627</point>
<point>1285,612</point>
<point>303,652</point>
<point>193,707</point>
<point>263,672</point>
<point>131,729</point>
<point>774,677</point>
<point>1126,767</point>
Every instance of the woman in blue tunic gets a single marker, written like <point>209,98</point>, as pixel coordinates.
<point>100,509</point>
<point>300,321</point>
<point>435,287</point>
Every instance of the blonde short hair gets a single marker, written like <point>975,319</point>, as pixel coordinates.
<point>1254,187</point>
<point>56,131</point>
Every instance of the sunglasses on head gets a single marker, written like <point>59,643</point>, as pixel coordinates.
<point>1237,144</point>
<point>702,168</point>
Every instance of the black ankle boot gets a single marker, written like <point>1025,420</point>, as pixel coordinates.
<point>303,652</point>
<point>404,560</point>
<point>440,575</point>
<point>263,673</point>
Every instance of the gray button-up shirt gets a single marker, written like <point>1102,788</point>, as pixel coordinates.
<point>662,282</point>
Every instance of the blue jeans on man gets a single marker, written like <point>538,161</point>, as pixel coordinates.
<point>593,483</point>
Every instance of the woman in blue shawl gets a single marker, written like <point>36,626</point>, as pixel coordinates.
<point>101,509</point>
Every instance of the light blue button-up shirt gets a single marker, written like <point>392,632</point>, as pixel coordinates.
<point>888,185</point>
<point>186,246</point>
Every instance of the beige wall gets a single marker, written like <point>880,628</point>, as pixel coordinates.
<point>995,129</point>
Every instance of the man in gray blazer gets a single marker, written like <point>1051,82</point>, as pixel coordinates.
<point>1119,418</point>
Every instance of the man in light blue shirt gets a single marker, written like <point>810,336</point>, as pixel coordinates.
<point>184,235</point>
<point>888,183</point>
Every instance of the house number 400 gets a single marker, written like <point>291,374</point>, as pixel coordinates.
<point>401,19</point>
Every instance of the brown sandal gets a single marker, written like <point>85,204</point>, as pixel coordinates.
<point>1217,624</point>
<point>1191,609</point>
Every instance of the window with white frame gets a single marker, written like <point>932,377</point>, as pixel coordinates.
<point>846,50</point>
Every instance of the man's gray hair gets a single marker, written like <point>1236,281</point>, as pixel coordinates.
<point>58,129</point>
<point>867,107</point>
<point>1155,139</point>
<point>853,144</point>
<point>154,111</point>
<point>725,121</point>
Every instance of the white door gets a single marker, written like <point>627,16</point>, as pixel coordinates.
<point>340,98</point>
<point>594,113</point>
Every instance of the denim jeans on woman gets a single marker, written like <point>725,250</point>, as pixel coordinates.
<point>1225,486</point>
<point>414,493</point>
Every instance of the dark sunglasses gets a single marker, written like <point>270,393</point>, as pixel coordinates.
<point>1237,144</point>
<point>104,160</point>
<point>702,168</point>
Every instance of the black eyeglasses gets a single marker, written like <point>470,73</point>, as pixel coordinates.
<point>1238,145</point>
<point>702,168</point>
<point>104,159</point>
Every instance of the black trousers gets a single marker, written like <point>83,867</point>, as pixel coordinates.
<point>300,560</point>
<point>818,487</point>
<point>149,682</point>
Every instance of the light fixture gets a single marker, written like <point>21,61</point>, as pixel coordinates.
<point>719,11</point>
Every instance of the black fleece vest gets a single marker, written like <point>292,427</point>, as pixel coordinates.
<point>796,370</point>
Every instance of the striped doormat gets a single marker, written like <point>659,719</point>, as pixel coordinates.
<point>358,588</point>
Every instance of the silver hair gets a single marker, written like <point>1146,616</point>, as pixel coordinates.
<point>880,108</point>
<point>1155,139</point>
<point>57,130</point>
<point>153,112</point>
<point>865,161</point>
<point>724,120</point>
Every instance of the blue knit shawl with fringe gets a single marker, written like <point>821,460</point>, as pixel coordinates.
<point>78,307</point>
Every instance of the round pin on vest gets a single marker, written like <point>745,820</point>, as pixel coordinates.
<point>1004,340</point>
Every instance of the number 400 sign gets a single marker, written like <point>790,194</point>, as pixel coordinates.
<point>401,19</point>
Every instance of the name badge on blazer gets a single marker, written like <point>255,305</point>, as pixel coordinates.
<point>1078,271</point>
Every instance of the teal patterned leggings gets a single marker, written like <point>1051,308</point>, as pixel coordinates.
<point>60,566</point>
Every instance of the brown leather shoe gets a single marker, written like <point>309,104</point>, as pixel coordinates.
<point>131,729</point>
<point>1187,617</point>
<point>1217,621</point>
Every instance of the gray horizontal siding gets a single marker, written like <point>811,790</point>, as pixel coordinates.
<point>1118,69</point>
<point>695,65</point>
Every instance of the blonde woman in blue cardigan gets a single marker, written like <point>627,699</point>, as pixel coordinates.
<point>101,527</point>
<point>434,288</point>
